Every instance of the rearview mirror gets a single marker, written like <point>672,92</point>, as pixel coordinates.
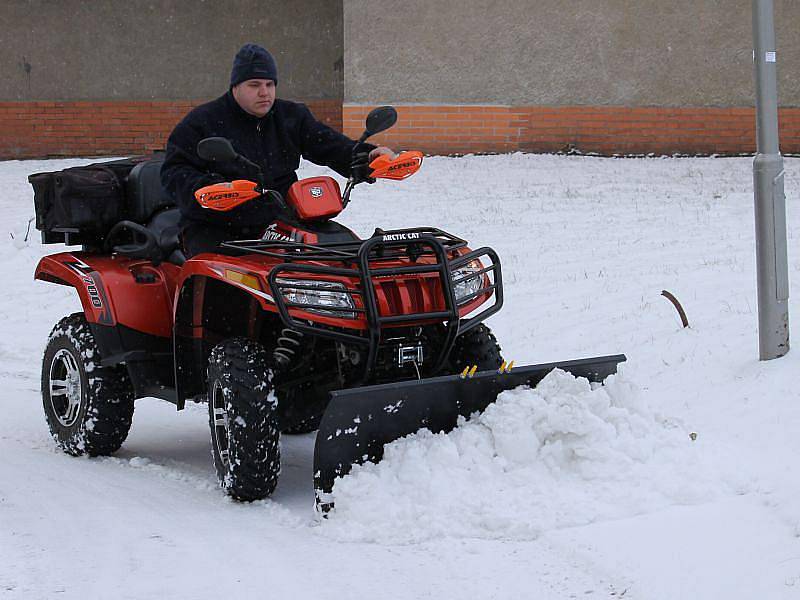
<point>379,119</point>
<point>216,149</point>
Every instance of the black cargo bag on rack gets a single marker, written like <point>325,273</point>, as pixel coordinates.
<point>79,205</point>
<point>90,199</point>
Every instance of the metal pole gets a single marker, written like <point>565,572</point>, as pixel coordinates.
<point>770,202</point>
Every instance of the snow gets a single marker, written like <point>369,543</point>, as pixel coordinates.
<point>565,491</point>
<point>558,456</point>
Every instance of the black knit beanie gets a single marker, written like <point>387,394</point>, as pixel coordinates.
<point>253,62</point>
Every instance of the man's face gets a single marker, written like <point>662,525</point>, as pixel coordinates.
<point>255,96</point>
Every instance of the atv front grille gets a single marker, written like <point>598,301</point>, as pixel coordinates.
<point>409,296</point>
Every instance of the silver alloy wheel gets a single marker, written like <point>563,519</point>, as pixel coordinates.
<point>221,426</point>
<point>66,389</point>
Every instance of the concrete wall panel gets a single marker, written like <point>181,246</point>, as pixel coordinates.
<point>163,49</point>
<point>551,52</point>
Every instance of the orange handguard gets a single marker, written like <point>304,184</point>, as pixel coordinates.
<point>403,165</point>
<point>226,195</point>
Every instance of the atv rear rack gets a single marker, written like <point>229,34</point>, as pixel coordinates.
<point>362,260</point>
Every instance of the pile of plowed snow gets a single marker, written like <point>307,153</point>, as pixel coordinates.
<point>563,454</point>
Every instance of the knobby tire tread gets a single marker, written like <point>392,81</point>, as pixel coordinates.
<point>479,347</point>
<point>254,437</point>
<point>106,418</point>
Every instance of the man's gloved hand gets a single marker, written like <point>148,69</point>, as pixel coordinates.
<point>359,168</point>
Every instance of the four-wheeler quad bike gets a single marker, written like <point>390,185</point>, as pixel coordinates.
<point>309,327</point>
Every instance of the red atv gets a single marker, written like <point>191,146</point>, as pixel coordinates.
<point>307,328</point>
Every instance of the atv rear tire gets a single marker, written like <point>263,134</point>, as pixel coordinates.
<point>476,347</point>
<point>88,407</point>
<point>242,412</point>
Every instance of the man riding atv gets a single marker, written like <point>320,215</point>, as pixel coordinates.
<point>305,326</point>
<point>273,133</point>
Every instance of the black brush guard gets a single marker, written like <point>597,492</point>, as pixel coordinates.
<point>362,260</point>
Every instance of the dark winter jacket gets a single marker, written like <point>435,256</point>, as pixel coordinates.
<point>276,142</point>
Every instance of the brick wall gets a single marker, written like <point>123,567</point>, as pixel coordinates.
<point>90,128</point>
<point>607,130</point>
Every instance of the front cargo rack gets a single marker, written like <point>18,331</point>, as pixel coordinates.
<point>365,260</point>
<point>348,250</point>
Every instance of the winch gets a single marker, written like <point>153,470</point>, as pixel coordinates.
<point>409,354</point>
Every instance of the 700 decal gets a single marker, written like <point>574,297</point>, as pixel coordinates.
<point>94,295</point>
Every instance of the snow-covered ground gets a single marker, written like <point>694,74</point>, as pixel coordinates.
<point>565,491</point>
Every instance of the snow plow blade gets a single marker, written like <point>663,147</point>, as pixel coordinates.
<point>360,421</point>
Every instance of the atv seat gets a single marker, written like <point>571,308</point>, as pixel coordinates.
<point>331,231</point>
<point>152,232</point>
<point>326,231</point>
<point>144,192</point>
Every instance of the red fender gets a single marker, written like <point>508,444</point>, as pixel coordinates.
<point>224,268</point>
<point>116,290</point>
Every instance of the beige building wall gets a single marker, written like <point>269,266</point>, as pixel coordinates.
<point>555,52</point>
<point>111,77</point>
<point>597,76</point>
<point>80,77</point>
<point>163,49</point>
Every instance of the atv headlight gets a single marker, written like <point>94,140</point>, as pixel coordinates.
<point>463,284</point>
<point>318,296</point>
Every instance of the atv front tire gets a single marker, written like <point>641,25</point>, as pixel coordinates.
<point>242,412</point>
<point>476,347</point>
<point>88,407</point>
